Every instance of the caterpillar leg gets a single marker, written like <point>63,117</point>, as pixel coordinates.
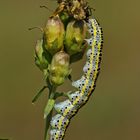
<point>89,41</point>
<point>78,84</point>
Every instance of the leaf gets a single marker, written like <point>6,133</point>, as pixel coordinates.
<point>49,107</point>
<point>38,94</point>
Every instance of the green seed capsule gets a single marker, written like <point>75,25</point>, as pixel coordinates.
<point>40,59</point>
<point>59,68</point>
<point>75,35</point>
<point>54,35</point>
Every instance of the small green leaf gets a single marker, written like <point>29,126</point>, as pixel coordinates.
<point>49,107</point>
<point>38,94</point>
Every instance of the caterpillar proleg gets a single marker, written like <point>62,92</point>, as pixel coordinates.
<point>84,86</point>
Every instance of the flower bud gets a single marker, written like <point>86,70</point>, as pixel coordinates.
<point>40,59</point>
<point>54,35</point>
<point>59,68</point>
<point>75,35</point>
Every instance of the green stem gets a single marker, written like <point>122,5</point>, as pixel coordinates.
<point>48,118</point>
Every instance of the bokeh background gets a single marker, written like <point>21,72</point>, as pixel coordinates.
<point>113,112</point>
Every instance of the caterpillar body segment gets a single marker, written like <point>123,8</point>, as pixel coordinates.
<point>82,99</point>
<point>84,86</point>
<point>56,134</point>
<point>59,122</point>
<point>66,108</point>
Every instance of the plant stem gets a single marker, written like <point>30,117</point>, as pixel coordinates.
<point>48,118</point>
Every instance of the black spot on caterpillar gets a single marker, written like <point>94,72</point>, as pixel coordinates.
<point>84,86</point>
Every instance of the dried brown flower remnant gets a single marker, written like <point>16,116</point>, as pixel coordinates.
<point>78,9</point>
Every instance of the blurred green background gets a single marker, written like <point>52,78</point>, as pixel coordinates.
<point>114,110</point>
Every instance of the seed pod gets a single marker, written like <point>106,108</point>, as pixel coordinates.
<point>40,59</point>
<point>54,35</point>
<point>75,35</point>
<point>59,68</point>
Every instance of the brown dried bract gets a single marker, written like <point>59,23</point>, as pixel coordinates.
<point>78,9</point>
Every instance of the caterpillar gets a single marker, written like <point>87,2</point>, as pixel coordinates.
<point>84,86</point>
